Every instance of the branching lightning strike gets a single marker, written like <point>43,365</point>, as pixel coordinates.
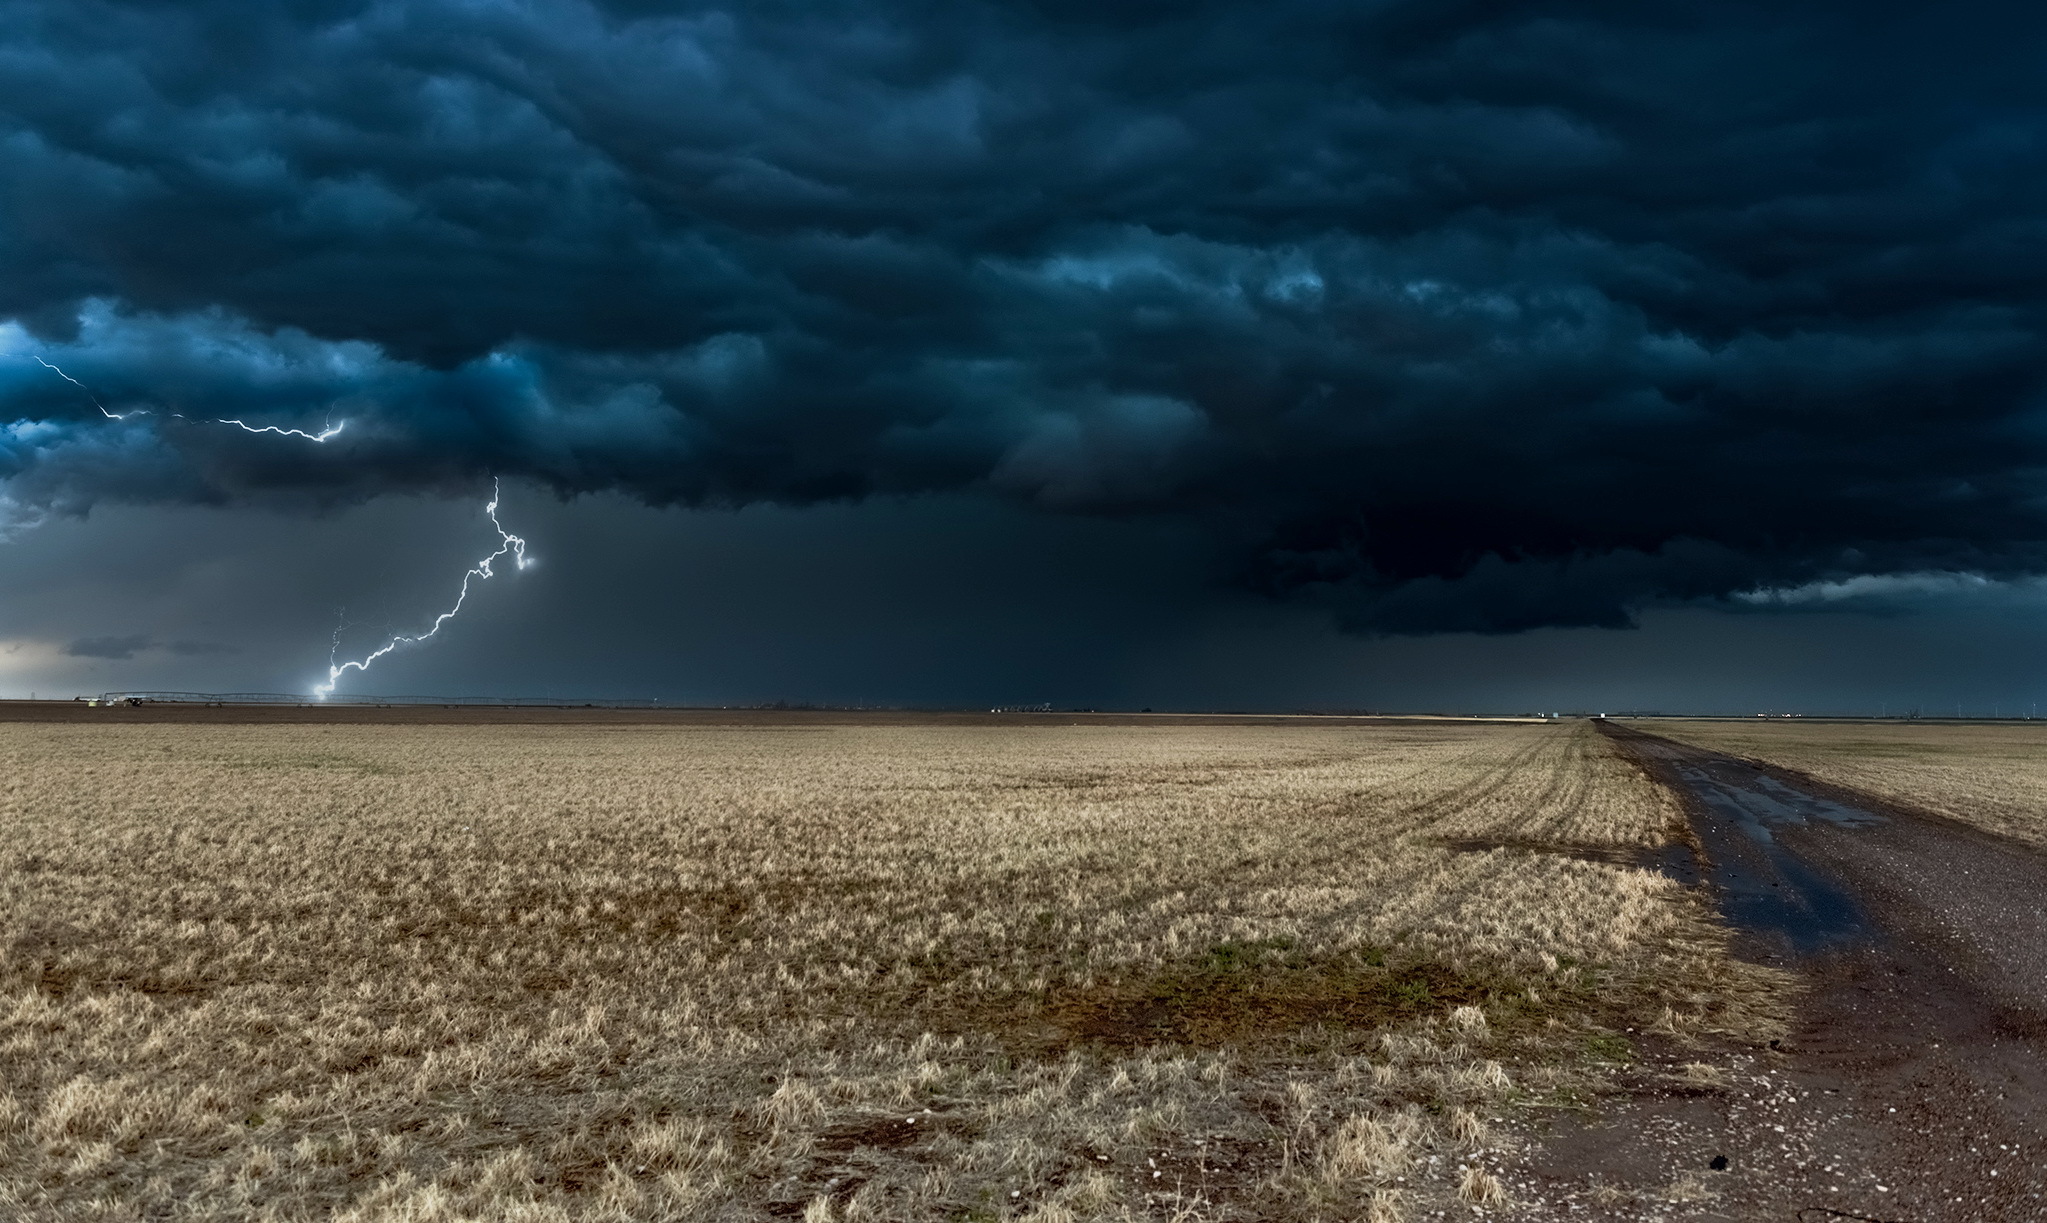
<point>508,545</point>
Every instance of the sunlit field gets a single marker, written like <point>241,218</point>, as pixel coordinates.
<point>1992,774</point>
<point>829,972</point>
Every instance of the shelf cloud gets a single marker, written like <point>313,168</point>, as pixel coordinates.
<point>1453,316</point>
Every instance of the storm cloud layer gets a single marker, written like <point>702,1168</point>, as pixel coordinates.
<point>1460,316</point>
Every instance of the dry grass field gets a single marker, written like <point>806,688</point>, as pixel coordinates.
<point>1992,775</point>
<point>817,972</point>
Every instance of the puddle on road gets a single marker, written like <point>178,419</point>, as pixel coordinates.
<point>1763,885</point>
<point>1758,800</point>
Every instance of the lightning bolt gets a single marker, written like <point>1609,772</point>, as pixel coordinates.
<point>508,545</point>
<point>88,392</point>
<point>322,436</point>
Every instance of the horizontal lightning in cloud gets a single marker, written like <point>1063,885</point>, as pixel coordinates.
<point>508,545</point>
<point>325,433</point>
<point>88,392</point>
<point>321,436</point>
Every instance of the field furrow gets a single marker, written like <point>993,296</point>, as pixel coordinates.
<point>824,971</point>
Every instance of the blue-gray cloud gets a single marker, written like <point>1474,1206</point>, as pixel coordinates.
<point>119,648</point>
<point>1456,315</point>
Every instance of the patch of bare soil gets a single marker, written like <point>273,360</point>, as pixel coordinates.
<point>1240,994</point>
<point>1912,1086</point>
<point>1266,995</point>
<point>1246,996</point>
<point>1610,854</point>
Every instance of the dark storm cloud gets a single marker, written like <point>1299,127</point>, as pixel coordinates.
<point>200,649</point>
<point>1458,315</point>
<point>108,647</point>
<point>124,648</point>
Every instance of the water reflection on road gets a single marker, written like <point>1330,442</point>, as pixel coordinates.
<point>1764,886</point>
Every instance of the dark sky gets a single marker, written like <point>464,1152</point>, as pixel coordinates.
<point>1429,355</point>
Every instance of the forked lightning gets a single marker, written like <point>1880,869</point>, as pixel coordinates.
<point>508,545</point>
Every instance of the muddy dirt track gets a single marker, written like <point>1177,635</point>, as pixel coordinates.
<point>1913,1086</point>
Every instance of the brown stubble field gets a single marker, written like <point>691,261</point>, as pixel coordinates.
<point>1992,775</point>
<point>820,971</point>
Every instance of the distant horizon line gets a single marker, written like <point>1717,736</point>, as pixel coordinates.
<point>308,700</point>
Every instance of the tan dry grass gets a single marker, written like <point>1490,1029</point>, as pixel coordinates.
<point>846,973</point>
<point>1993,775</point>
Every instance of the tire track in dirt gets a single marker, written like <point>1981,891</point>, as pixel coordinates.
<point>1490,780</point>
<point>1912,1086</point>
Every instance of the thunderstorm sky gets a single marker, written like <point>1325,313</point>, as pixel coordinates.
<point>1447,355</point>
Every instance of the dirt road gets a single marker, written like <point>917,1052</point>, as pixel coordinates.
<point>1913,1086</point>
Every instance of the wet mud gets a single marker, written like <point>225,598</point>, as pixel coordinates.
<point>1912,1086</point>
<point>1764,885</point>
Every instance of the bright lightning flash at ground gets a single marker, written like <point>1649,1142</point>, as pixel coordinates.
<point>508,545</point>
<point>322,436</point>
